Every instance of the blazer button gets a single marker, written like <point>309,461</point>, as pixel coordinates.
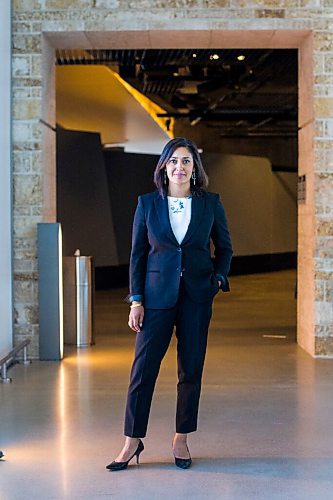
<point>179,249</point>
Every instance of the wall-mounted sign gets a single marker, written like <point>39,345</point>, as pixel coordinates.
<point>301,189</point>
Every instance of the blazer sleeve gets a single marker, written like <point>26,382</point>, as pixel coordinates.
<point>139,254</point>
<point>222,245</point>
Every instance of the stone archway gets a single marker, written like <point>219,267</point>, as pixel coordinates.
<point>300,39</point>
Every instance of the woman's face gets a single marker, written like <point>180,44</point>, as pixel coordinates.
<point>180,166</point>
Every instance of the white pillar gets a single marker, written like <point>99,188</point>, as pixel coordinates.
<point>6,326</point>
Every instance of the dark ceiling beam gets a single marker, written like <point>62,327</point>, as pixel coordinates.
<point>233,114</point>
<point>234,135</point>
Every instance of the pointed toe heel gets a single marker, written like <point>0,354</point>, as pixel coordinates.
<point>184,463</point>
<point>115,466</point>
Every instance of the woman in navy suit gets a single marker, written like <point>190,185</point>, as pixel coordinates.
<point>173,280</point>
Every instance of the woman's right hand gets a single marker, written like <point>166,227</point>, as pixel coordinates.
<point>135,319</point>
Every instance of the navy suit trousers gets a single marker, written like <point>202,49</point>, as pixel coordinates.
<point>191,320</point>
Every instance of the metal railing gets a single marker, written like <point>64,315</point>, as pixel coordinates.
<point>10,358</point>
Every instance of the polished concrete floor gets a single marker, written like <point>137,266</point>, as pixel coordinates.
<point>266,415</point>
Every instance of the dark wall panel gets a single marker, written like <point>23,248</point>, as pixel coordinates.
<point>83,206</point>
<point>129,175</point>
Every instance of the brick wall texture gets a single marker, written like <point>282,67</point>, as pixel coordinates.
<point>32,17</point>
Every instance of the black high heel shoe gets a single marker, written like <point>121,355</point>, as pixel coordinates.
<point>123,465</point>
<point>183,463</point>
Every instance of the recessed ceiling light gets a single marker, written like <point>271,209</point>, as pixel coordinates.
<point>175,74</point>
<point>241,57</point>
<point>195,121</point>
<point>194,54</point>
<point>214,56</point>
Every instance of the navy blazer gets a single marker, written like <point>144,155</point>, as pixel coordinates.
<point>157,259</point>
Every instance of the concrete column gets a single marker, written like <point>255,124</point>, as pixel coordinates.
<point>6,330</point>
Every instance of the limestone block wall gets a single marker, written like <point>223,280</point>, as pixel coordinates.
<point>163,23</point>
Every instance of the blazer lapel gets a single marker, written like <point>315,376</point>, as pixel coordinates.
<point>197,211</point>
<point>162,209</point>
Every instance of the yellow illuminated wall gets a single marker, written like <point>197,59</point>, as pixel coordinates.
<point>95,98</point>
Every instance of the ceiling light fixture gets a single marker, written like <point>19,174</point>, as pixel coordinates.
<point>195,121</point>
<point>214,56</point>
<point>194,54</point>
<point>241,57</point>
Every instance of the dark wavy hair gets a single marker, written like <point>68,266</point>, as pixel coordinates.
<point>201,181</point>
